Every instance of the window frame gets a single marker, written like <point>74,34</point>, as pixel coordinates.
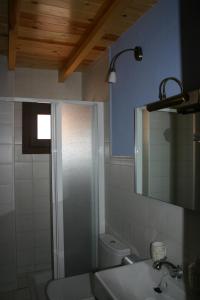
<point>30,143</point>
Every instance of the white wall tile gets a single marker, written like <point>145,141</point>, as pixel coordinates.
<point>6,152</point>
<point>24,223</point>
<point>23,170</point>
<point>41,204</point>
<point>32,189</point>
<point>6,193</point>
<point>139,220</point>
<point>7,230</point>
<point>25,241</point>
<point>6,118</point>
<point>7,108</point>
<point>6,173</point>
<point>7,256</point>
<point>8,278</point>
<point>41,221</point>
<point>43,239</point>
<point>19,157</point>
<point>41,157</point>
<point>18,114</point>
<point>18,109</point>
<point>6,134</point>
<point>7,219</point>
<point>115,175</point>
<point>22,294</point>
<point>127,178</point>
<point>23,196</point>
<point>25,260</point>
<point>41,187</point>
<point>41,170</point>
<point>18,135</point>
<point>42,256</point>
<point>6,213</point>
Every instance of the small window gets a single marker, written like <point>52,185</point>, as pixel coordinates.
<point>36,128</point>
<point>43,127</point>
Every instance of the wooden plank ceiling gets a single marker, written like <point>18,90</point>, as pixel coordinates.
<point>64,34</point>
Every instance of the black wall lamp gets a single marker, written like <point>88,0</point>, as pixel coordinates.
<point>165,102</point>
<point>138,54</point>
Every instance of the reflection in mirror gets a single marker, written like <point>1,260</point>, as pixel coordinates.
<point>167,153</point>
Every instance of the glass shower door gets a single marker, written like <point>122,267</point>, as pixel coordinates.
<point>79,177</point>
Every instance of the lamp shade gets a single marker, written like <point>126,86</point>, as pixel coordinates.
<point>112,78</point>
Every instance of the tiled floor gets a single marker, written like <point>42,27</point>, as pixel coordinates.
<point>21,294</point>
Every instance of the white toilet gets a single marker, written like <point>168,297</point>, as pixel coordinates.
<point>111,253</point>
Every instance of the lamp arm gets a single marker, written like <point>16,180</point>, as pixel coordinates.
<point>115,57</point>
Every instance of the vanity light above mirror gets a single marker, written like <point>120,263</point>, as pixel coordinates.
<point>184,102</point>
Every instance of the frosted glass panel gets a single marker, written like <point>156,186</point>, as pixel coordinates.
<point>80,222</point>
<point>43,127</point>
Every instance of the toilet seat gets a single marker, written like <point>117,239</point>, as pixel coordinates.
<point>71,288</point>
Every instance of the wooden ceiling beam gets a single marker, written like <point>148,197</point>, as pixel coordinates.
<point>95,32</point>
<point>14,11</point>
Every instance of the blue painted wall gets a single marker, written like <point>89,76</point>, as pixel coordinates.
<point>158,33</point>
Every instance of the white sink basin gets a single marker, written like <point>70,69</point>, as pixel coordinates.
<point>137,282</point>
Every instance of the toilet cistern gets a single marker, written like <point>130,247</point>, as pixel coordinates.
<point>111,251</point>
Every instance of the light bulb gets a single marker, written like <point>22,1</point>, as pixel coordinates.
<point>112,78</point>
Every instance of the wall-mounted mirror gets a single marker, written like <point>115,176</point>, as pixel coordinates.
<point>167,153</point>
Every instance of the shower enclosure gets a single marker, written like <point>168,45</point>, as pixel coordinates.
<point>76,173</point>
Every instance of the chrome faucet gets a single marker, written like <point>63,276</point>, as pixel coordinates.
<point>174,271</point>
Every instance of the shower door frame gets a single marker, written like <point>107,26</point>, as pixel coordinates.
<point>59,263</point>
<point>57,192</point>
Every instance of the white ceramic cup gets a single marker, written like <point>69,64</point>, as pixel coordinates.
<point>158,251</point>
